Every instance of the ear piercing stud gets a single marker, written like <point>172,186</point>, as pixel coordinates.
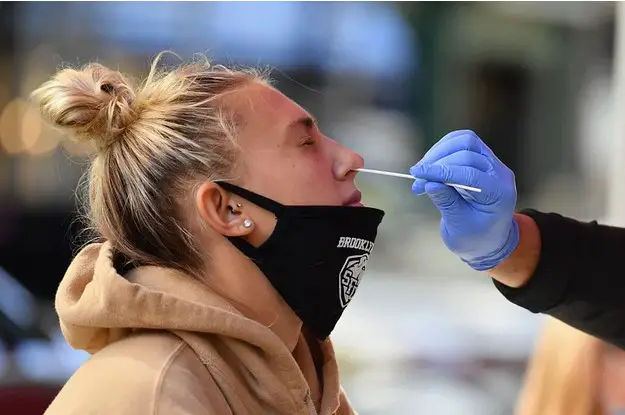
<point>247,223</point>
<point>237,209</point>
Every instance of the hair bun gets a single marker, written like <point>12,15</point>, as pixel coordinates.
<point>92,104</point>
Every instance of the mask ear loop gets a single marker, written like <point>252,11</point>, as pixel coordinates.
<point>265,203</point>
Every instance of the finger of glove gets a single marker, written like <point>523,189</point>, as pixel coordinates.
<point>444,197</point>
<point>468,176</point>
<point>444,173</point>
<point>468,159</point>
<point>460,158</point>
<point>452,143</point>
<point>418,187</point>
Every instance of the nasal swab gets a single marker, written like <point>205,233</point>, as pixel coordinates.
<point>407,176</point>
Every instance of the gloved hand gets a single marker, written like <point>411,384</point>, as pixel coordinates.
<point>478,227</point>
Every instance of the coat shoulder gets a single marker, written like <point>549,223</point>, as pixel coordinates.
<point>145,373</point>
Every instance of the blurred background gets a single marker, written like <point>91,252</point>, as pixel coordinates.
<point>425,334</point>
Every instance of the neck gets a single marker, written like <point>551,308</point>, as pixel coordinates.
<point>235,277</point>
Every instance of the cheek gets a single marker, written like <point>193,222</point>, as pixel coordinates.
<point>296,176</point>
<point>315,169</point>
<point>313,183</point>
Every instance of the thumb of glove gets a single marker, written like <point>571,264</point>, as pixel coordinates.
<point>443,196</point>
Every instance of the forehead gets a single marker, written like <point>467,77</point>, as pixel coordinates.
<point>264,109</point>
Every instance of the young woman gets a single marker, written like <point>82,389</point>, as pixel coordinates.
<point>232,238</point>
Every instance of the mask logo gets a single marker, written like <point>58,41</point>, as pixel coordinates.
<point>350,275</point>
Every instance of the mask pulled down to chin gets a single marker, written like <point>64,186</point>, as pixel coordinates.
<point>315,257</point>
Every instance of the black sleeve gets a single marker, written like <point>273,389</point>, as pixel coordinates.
<point>580,277</point>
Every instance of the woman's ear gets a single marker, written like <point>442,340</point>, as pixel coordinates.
<point>219,210</point>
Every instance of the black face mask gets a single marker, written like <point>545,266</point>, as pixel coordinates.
<point>315,256</point>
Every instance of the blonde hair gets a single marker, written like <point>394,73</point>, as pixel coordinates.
<point>563,376</point>
<point>154,143</point>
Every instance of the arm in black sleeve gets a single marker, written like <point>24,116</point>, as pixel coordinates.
<point>580,277</point>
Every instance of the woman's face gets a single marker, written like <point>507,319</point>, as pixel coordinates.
<point>286,158</point>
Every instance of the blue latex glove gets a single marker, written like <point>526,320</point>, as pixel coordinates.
<point>478,227</point>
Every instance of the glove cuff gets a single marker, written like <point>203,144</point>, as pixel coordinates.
<point>491,261</point>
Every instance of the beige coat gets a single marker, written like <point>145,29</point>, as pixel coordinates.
<point>165,344</point>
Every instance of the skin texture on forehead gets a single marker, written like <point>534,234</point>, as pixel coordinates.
<point>265,110</point>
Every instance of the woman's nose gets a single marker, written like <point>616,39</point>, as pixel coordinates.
<point>346,161</point>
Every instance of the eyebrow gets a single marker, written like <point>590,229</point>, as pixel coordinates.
<point>307,121</point>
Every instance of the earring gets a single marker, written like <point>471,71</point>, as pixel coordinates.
<point>237,210</point>
<point>247,223</point>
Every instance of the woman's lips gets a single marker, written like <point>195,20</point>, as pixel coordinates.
<point>354,200</point>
